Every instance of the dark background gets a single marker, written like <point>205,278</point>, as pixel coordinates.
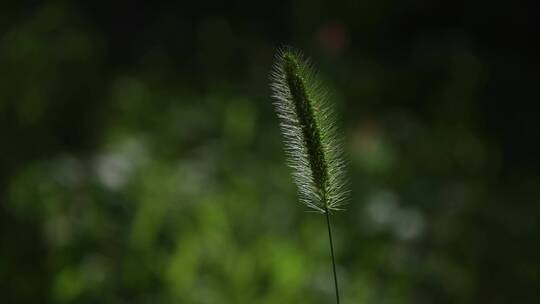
<point>141,160</point>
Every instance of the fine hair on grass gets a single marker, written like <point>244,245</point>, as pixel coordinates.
<point>312,146</point>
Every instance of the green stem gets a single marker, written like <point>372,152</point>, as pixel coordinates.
<point>332,253</point>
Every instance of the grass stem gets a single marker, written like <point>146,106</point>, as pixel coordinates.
<point>332,254</point>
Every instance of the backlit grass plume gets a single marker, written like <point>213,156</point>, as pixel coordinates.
<point>312,147</point>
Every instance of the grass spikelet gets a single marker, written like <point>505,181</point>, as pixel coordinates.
<point>313,150</point>
<point>312,147</point>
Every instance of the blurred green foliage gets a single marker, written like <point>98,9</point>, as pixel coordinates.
<point>141,161</point>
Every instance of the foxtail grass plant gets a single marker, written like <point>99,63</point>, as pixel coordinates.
<point>313,149</point>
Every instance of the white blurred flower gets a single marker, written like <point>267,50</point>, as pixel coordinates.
<point>114,168</point>
<point>386,214</point>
